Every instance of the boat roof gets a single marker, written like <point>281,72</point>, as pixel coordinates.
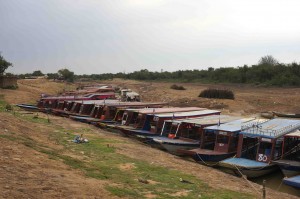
<point>153,111</point>
<point>206,120</point>
<point>77,96</point>
<point>296,133</point>
<point>235,125</point>
<point>137,103</point>
<point>273,128</point>
<point>108,101</point>
<point>186,114</point>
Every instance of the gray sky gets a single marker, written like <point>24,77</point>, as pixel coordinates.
<point>109,36</point>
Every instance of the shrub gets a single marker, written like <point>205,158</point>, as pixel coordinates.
<point>176,87</point>
<point>217,93</point>
<point>12,87</point>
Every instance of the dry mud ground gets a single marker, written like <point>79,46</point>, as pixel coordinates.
<point>26,171</point>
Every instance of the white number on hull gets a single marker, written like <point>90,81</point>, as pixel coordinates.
<point>262,158</point>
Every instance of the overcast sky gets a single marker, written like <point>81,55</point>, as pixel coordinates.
<point>109,36</point>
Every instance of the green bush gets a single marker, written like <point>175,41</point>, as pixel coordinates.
<point>176,87</point>
<point>12,87</point>
<point>217,93</point>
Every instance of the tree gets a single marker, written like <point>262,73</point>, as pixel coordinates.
<point>268,60</point>
<point>66,74</point>
<point>37,73</point>
<point>52,75</point>
<point>3,64</point>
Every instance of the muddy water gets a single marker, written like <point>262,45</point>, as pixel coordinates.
<point>274,181</point>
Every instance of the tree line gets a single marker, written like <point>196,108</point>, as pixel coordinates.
<point>268,71</point>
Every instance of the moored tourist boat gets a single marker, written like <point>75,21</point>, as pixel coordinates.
<point>154,122</point>
<point>220,141</point>
<point>186,134</point>
<point>136,119</point>
<point>269,138</point>
<point>290,159</point>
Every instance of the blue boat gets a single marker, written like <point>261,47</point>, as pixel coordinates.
<point>224,139</point>
<point>290,161</point>
<point>258,161</point>
<point>292,181</point>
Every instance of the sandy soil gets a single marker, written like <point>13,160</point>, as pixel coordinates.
<point>27,173</point>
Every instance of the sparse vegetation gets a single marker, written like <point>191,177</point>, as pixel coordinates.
<point>11,87</point>
<point>176,87</point>
<point>3,64</point>
<point>217,93</point>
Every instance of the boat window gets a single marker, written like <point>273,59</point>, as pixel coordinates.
<point>222,139</point>
<point>249,148</point>
<point>167,128</point>
<point>190,132</point>
<point>209,138</point>
<point>265,148</point>
<point>292,148</point>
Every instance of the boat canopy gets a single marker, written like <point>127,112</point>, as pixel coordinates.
<point>293,134</point>
<point>271,129</point>
<point>186,114</point>
<point>236,125</point>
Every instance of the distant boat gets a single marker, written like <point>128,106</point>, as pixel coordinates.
<point>268,115</point>
<point>291,115</point>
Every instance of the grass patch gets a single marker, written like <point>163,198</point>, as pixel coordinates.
<point>98,159</point>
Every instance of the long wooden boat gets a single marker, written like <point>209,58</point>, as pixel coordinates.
<point>269,139</point>
<point>290,159</point>
<point>154,122</point>
<point>52,101</point>
<point>186,134</point>
<point>224,139</point>
<point>291,115</point>
<point>293,181</point>
<point>135,119</point>
<point>268,115</point>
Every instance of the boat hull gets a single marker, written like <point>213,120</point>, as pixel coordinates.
<point>174,147</point>
<point>249,168</point>
<point>293,181</point>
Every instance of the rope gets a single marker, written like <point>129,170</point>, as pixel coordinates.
<point>211,165</point>
<point>243,176</point>
<point>279,186</point>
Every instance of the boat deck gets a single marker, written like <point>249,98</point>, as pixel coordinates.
<point>175,141</point>
<point>288,162</point>
<point>143,132</point>
<point>90,119</point>
<point>244,162</point>
<point>207,152</point>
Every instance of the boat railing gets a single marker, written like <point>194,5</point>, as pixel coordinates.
<point>253,124</point>
<point>256,129</point>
